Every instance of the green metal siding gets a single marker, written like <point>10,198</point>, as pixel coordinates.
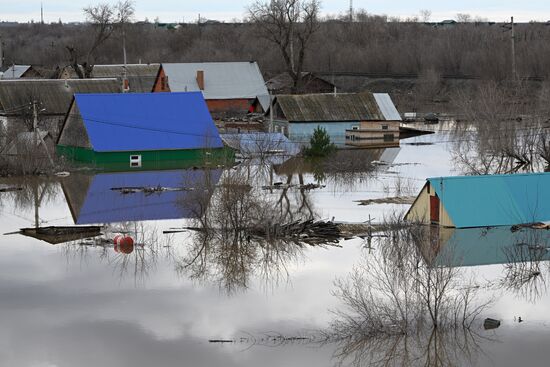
<point>157,159</point>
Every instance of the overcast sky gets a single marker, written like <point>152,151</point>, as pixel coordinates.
<point>188,10</point>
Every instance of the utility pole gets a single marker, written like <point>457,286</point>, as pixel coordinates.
<point>125,84</point>
<point>41,13</point>
<point>1,53</point>
<point>351,11</point>
<point>514,70</point>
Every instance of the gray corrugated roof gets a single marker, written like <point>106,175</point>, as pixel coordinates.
<point>141,77</point>
<point>15,71</point>
<point>329,107</point>
<point>222,80</point>
<point>53,95</point>
<point>385,104</point>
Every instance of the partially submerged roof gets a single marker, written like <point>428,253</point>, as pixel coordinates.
<point>330,107</point>
<point>54,96</point>
<point>15,71</point>
<point>386,106</point>
<point>143,121</point>
<point>260,143</point>
<point>495,200</point>
<point>222,80</point>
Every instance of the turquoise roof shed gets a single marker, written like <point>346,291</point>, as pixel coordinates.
<point>493,200</point>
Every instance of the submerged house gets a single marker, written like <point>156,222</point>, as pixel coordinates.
<point>227,87</point>
<point>297,116</point>
<point>139,130</point>
<point>52,96</point>
<point>483,201</point>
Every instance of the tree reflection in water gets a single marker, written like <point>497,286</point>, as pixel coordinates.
<point>398,310</point>
<point>244,231</point>
<point>527,266</point>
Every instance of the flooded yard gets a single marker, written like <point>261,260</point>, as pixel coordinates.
<point>242,266</point>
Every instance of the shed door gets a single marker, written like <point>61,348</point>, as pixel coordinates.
<point>434,209</point>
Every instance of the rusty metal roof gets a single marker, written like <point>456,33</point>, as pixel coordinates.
<point>53,95</point>
<point>329,107</point>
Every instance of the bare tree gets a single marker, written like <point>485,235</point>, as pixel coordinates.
<point>425,15</point>
<point>105,19</point>
<point>290,25</point>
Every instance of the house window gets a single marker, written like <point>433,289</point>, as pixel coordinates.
<point>135,161</point>
<point>388,137</point>
<point>355,127</point>
<point>384,127</point>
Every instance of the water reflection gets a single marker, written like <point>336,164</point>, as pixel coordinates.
<point>248,231</point>
<point>135,196</point>
<point>524,254</point>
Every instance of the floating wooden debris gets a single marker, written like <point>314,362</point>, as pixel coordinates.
<point>282,186</point>
<point>538,225</point>
<point>56,235</point>
<point>149,189</point>
<point>310,232</point>
<point>388,200</point>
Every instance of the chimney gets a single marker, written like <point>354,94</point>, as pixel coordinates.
<point>200,79</point>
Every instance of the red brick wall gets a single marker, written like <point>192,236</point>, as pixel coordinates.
<point>162,83</point>
<point>228,105</point>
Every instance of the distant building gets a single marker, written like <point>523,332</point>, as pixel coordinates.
<point>227,87</point>
<point>299,115</point>
<point>142,78</point>
<point>309,84</point>
<point>52,96</point>
<point>29,72</point>
<point>139,130</point>
<point>483,201</point>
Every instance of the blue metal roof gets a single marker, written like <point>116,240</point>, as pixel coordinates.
<point>495,200</point>
<point>103,205</point>
<point>147,121</point>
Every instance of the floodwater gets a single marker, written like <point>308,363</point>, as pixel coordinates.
<point>164,301</point>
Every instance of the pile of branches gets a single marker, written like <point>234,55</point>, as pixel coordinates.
<point>313,233</point>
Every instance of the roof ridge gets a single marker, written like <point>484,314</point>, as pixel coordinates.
<point>487,176</point>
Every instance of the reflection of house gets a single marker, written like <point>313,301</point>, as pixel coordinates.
<point>227,87</point>
<point>343,161</point>
<point>309,83</point>
<point>484,246</point>
<point>53,98</point>
<point>299,115</point>
<point>142,78</point>
<point>92,200</point>
<point>481,201</point>
<point>138,130</point>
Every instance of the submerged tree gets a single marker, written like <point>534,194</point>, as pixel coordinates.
<point>289,25</point>
<point>104,19</point>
